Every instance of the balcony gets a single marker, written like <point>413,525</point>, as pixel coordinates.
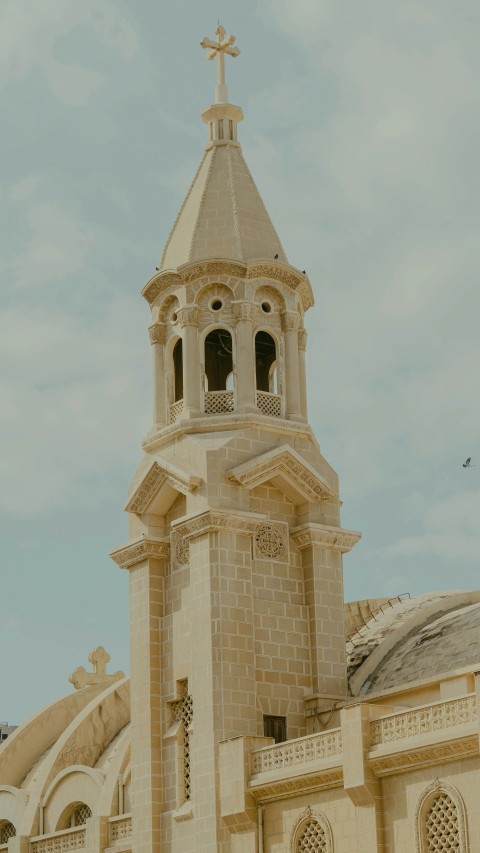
<point>314,761</point>
<point>219,402</point>
<point>59,842</point>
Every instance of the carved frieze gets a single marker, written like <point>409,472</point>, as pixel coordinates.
<point>325,536</point>
<point>140,550</point>
<point>272,464</point>
<point>154,480</point>
<point>218,520</point>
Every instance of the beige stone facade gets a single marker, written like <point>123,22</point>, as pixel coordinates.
<point>239,632</point>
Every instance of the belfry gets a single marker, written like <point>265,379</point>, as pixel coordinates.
<point>235,551</point>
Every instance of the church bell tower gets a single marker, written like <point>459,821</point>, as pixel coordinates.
<point>235,545</point>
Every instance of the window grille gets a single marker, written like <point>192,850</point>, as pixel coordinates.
<point>441,826</point>
<point>312,839</point>
<point>80,815</point>
<point>182,711</point>
<point>7,830</point>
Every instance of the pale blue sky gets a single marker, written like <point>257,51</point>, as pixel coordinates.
<point>362,131</point>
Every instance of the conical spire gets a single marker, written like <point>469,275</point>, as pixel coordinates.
<point>223,215</point>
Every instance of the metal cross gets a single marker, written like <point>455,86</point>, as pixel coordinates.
<point>218,49</point>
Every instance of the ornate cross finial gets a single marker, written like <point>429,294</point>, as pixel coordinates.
<point>99,659</point>
<point>218,49</point>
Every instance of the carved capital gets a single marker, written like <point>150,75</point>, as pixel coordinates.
<point>140,550</point>
<point>188,315</point>
<point>157,332</point>
<point>290,321</point>
<point>302,339</point>
<point>245,311</point>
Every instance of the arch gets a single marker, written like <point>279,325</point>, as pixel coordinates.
<point>7,831</point>
<point>311,834</point>
<point>71,793</point>
<point>214,291</point>
<point>266,366</point>
<point>440,820</point>
<point>177,370</point>
<point>167,310</point>
<point>76,814</point>
<point>270,295</point>
<point>218,354</point>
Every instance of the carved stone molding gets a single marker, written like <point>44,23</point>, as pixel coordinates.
<point>188,315</point>
<point>245,311</point>
<point>302,339</point>
<point>179,549</point>
<point>140,550</point>
<point>279,789</point>
<point>156,438</point>
<point>191,272</point>
<point>325,536</point>
<point>290,321</point>
<point>288,469</point>
<point>154,479</point>
<point>218,520</point>
<point>436,753</point>
<point>157,333</point>
<point>270,541</point>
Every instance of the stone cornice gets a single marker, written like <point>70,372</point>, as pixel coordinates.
<point>409,758</point>
<point>212,423</point>
<point>190,272</point>
<point>325,536</point>
<point>218,519</point>
<point>285,464</point>
<point>144,548</point>
<point>154,479</point>
<point>282,788</point>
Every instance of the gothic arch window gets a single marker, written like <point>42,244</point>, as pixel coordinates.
<point>440,820</point>
<point>265,362</point>
<point>76,815</point>
<point>7,831</point>
<point>311,834</point>
<point>218,359</point>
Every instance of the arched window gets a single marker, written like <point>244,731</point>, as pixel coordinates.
<point>7,830</point>
<point>440,820</point>
<point>311,834</point>
<point>77,815</point>
<point>265,362</point>
<point>178,371</point>
<point>218,359</point>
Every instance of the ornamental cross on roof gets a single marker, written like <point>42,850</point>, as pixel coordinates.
<point>218,49</point>
<point>99,659</point>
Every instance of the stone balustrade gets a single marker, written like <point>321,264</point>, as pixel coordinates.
<point>269,404</point>
<point>420,721</point>
<point>296,752</point>
<point>59,842</point>
<point>219,402</point>
<point>176,410</point>
<point>119,827</point>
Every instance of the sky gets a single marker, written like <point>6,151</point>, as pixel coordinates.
<point>362,130</point>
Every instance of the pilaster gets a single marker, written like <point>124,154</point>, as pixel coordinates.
<point>290,324</point>
<point>188,319</point>
<point>157,333</point>
<point>245,314</point>
<point>302,346</point>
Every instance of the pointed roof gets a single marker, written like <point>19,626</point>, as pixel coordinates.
<point>223,215</point>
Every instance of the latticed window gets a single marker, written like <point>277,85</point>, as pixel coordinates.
<point>182,711</point>
<point>441,826</point>
<point>312,839</point>
<point>79,815</point>
<point>7,830</point>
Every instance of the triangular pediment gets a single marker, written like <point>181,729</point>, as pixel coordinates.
<point>159,488</point>
<point>288,471</point>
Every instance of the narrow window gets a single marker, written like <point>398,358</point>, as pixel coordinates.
<point>441,825</point>
<point>275,727</point>
<point>265,359</point>
<point>218,359</point>
<point>182,712</point>
<point>312,839</point>
<point>178,371</point>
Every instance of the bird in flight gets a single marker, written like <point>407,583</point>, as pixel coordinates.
<point>468,463</point>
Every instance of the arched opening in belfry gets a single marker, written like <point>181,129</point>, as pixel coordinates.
<point>178,371</point>
<point>218,361</point>
<point>265,363</point>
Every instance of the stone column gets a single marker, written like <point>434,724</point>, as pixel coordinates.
<point>146,559</point>
<point>188,318</point>
<point>302,346</point>
<point>290,324</point>
<point>157,338</point>
<point>322,549</point>
<point>245,380</point>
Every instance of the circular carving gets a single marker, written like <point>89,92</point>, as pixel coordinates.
<point>270,542</point>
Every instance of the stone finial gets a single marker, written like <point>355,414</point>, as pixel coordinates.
<point>99,659</point>
<point>217,50</point>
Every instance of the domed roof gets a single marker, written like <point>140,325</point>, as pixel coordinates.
<point>415,639</point>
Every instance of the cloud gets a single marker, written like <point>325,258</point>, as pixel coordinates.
<point>31,36</point>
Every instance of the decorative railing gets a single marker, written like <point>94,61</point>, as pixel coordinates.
<point>269,404</point>
<point>119,827</point>
<point>3,847</point>
<point>218,402</point>
<point>59,842</point>
<point>302,750</point>
<point>430,718</point>
<point>176,410</point>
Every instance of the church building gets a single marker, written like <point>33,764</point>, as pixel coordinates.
<point>262,713</point>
